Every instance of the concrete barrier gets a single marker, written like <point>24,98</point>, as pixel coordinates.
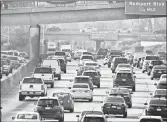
<point>11,82</point>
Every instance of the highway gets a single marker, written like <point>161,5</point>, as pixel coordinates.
<point>144,86</point>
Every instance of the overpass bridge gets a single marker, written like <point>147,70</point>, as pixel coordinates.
<point>36,16</point>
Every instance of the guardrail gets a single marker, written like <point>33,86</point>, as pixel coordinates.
<point>11,82</point>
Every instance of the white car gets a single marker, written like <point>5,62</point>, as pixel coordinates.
<point>93,64</point>
<point>32,87</point>
<point>81,91</point>
<point>88,29</point>
<point>93,118</point>
<point>68,56</point>
<point>124,66</point>
<point>46,74</point>
<point>27,117</point>
<point>163,77</point>
<point>85,58</point>
<point>150,119</point>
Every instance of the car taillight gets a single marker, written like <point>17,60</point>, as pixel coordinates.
<point>20,87</point>
<point>42,87</point>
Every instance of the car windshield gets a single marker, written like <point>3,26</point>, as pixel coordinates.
<point>158,102</point>
<point>80,86</point>
<point>150,120</point>
<point>12,58</point>
<point>157,62</point>
<point>152,58</point>
<point>124,75</point>
<point>90,74</point>
<point>4,52</point>
<point>126,66</point>
<point>87,57</point>
<point>121,91</point>
<point>91,112</point>
<point>60,53</point>
<point>91,64</point>
<point>48,102</point>
<point>27,116</point>
<point>33,80</point>
<point>66,50</point>
<point>114,99</point>
<point>43,70</point>
<point>93,119</point>
<point>81,80</point>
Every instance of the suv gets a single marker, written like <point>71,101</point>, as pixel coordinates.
<point>94,75</point>
<point>6,68</point>
<point>50,107</point>
<point>85,58</point>
<point>157,71</point>
<point>124,79</point>
<point>46,74</point>
<point>162,84</point>
<point>152,64</point>
<point>116,61</point>
<point>156,107</point>
<point>32,87</point>
<point>123,92</point>
<point>114,105</point>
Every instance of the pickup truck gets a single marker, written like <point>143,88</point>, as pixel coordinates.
<point>45,73</point>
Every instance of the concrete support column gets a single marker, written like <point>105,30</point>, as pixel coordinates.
<point>34,38</point>
<point>98,43</point>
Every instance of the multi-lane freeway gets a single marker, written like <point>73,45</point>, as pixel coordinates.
<point>144,86</point>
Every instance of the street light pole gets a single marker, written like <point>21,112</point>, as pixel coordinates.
<point>8,33</point>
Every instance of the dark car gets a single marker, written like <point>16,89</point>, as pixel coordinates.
<point>156,107</point>
<point>116,61</point>
<point>162,84</point>
<point>62,65</point>
<point>124,79</point>
<point>157,71</point>
<point>114,105</point>
<point>152,64</point>
<point>50,107</point>
<point>94,75</point>
<point>123,92</point>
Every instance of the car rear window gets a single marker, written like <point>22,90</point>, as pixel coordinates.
<point>152,58</point>
<point>124,75</point>
<point>33,80</point>
<point>12,58</point>
<point>27,116</point>
<point>90,74</point>
<point>127,66</point>
<point>150,120</point>
<point>164,76</point>
<point>43,70</point>
<point>121,60</point>
<point>158,102</point>
<point>91,64</point>
<point>157,62</point>
<point>87,57</point>
<point>114,99</point>
<point>159,68</point>
<point>94,119</point>
<point>60,53</point>
<point>80,86</point>
<point>48,102</point>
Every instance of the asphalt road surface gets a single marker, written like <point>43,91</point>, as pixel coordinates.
<point>144,86</point>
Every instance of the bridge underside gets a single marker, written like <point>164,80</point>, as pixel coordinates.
<point>51,17</point>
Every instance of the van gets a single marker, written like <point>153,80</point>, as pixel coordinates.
<point>55,65</point>
<point>116,61</point>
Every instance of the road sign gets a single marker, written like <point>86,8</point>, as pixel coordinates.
<point>112,35</point>
<point>145,7</point>
<point>95,35</point>
<point>151,37</point>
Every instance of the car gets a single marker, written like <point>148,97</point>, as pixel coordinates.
<point>147,60</point>
<point>27,117</point>
<point>94,76</point>
<point>49,107</point>
<point>124,66</point>
<point>114,105</point>
<point>32,87</point>
<point>87,53</point>
<point>15,62</point>
<point>84,68</point>
<point>151,64</point>
<point>163,76</point>
<point>157,71</point>
<point>93,118</point>
<point>55,65</point>
<point>66,100</point>
<point>83,79</point>
<point>162,84</point>
<point>61,53</point>
<point>150,119</point>
<point>93,64</point>
<point>63,64</point>
<point>88,29</point>
<point>83,113</point>
<point>110,59</point>
<point>123,92</point>
<point>81,91</point>
<point>125,79</point>
<point>78,54</point>
<point>6,67</point>
<point>85,58</point>
<point>45,73</point>
<point>156,107</point>
<point>68,56</point>
<point>158,93</point>
<point>116,61</point>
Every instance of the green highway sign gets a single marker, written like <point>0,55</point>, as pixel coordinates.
<point>145,7</point>
<point>152,37</point>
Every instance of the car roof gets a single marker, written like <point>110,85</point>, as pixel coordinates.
<point>90,71</point>
<point>146,117</point>
<point>48,97</point>
<point>82,77</point>
<point>120,88</point>
<point>158,99</point>
<point>80,84</point>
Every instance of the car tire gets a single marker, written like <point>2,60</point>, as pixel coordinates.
<point>70,61</point>
<point>98,86</point>
<point>72,110</point>
<point>59,78</point>
<point>65,71</point>
<point>134,89</point>
<point>21,97</point>
<point>130,105</point>
<point>52,85</point>
<point>62,119</point>
<point>90,100</point>
<point>152,78</point>
<point>7,74</point>
<point>143,71</point>
<point>148,73</point>
<point>112,71</point>
<point>125,114</point>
